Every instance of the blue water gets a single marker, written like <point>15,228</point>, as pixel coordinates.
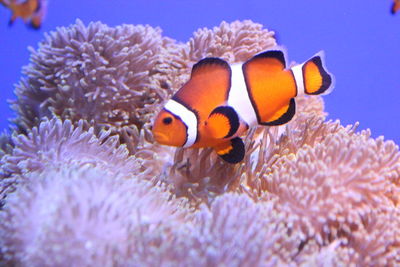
<point>361,40</point>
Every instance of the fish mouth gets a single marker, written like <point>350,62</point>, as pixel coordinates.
<point>160,137</point>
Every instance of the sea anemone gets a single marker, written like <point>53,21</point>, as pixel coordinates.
<point>111,78</point>
<point>335,182</point>
<point>115,78</point>
<point>81,216</point>
<point>6,145</point>
<point>58,144</point>
<point>83,183</point>
<point>201,175</point>
<point>338,188</point>
<point>234,230</point>
<point>234,42</point>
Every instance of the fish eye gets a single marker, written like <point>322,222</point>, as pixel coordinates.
<point>167,120</point>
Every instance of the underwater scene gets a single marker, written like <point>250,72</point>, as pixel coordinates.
<point>199,133</point>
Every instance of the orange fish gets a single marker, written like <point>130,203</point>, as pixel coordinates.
<point>395,6</point>
<point>31,11</point>
<point>221,101</point>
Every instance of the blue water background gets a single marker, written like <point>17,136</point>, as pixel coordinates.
<point>361,40</point>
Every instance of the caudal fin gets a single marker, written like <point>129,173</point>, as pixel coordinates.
<point>395,7</point>
<point>316,78</point>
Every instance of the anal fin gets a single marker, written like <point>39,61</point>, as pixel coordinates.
<point>231,151</point>
<point>283,115</point>
<point>223,122</point>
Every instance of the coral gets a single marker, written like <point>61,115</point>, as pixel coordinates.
<point>83,181</point>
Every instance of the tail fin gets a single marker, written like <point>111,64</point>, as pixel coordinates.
<point>317,80</point>
<point>36,22</point>
<point>39,14</point>
<point>395,7</point>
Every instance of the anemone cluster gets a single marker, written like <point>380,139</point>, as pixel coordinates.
<point>83,184</point>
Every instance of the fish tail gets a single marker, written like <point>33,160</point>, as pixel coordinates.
<point>395,7</point>
<point>317,80</point>
<point>36,22</point>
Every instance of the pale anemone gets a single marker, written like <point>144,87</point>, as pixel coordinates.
<point>81,216</point>
<point>339,187</point>
<point>59,144</point>
<point>82,162</point>
<point>233,231</point>
<point>115,78</point>
<point>5,144</point>
<point>236,230</point>
<point>112,78</point>
<point>201,175</point>
<point>234,42</point>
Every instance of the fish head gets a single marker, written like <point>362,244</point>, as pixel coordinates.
<point>169,129</point>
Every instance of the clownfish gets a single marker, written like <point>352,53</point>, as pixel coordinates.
<point>221,101</point>
<point>395,6</point>
<point>31,11</point>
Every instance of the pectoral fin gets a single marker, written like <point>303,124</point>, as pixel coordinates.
<point>231,151</point>
<point>283,115</point>
<point>12,19</point>
<point>223,122</point>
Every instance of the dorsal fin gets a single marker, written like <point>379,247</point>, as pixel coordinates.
<point>271,60</point>
<point>208,64</point>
